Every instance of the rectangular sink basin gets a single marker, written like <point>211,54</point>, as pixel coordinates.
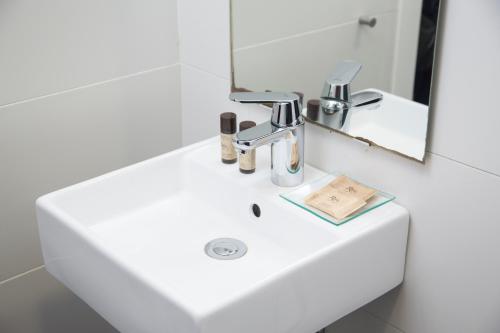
<point>132,244</point>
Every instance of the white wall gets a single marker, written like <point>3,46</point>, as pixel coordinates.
<point>452,273</point>
<point>85,87</point>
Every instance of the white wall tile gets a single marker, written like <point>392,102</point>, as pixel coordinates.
<point>466,120</point>
<point>204,97</point>
<point>204,35</point>
<point>56,44</point>
<point>56,141</point>
<point>37,303</point>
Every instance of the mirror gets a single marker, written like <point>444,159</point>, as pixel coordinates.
<point>365,65</point>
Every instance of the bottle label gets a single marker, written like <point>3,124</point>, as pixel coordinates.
<point>247,160</point>
<point>227,149</point>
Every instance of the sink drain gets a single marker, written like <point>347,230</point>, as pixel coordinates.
<point>225,248</point>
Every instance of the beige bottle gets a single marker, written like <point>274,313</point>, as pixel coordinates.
<point>247,160</point>
<point>227,132</point>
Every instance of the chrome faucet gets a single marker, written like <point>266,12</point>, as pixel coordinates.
<point>336,95</point>
<point>285,133</point>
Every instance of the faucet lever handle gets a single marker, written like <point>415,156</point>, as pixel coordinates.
<point>263,97</point>
<point>344,72</point>
<point>338,85</point>
<point>286,106</point>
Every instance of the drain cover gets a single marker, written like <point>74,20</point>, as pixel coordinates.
<point>225,248</point>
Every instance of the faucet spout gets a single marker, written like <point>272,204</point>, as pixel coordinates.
<point>258,136</point>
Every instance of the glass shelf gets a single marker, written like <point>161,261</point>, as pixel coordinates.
<point>297,196</point>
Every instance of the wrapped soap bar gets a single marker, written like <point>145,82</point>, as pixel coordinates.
<point>340,198</point>
<point>334,202</point>
<point>352,188</point>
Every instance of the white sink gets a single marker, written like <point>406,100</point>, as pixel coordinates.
<point>131,244</point>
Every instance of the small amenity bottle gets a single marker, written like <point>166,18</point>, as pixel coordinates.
<point>313,109</point>
<point>247,159</point>
<point>227,132</point>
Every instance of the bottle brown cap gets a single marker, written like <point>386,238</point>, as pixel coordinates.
<point>247,124</point>
<point>313,109</point>
<point>228,123</point>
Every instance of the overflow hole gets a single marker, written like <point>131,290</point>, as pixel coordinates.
<point>256,210</point>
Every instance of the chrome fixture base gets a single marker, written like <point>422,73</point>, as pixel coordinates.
<point>285,134</point>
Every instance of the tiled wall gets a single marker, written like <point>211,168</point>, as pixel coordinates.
<point>206,69</point>
<point>85,87</point>
<point>452,272</point>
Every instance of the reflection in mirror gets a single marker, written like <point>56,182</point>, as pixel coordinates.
<point>365,65</point>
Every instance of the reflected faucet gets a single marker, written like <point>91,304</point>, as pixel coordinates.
<point>336,95</point>
<point>285,133</point>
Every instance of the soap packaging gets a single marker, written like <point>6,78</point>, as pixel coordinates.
<point>341,197</point>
